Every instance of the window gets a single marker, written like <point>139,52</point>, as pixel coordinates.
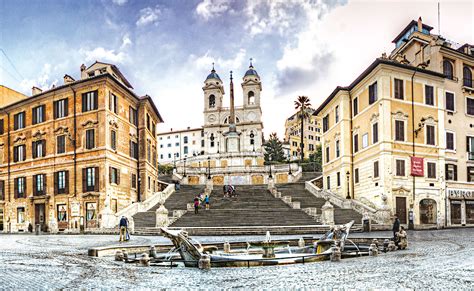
<point>2,128</point>
<point>399,130</point>
<point>185,139</point>
<point>430,135</point>
<point>356,176</point>
<point>328,182</point>
<point>113,139</point>
<point>149,183</point>
<point>470,147</point>
<point>62,213</point>
<point>450,141</point>
<point>448,69</point>
<point>338,151</point>
<point>39,184</point>
<point>2,190</point>
<point>19,120</point>
<point>38,114</point>
<point>113,103</point>
<point>90,139</point>
<point>336,114</point>
<point>20,214</point>
<point>20,187</point>
<point>114,176</point>
<point>251,98</point>
<point>212,101</point>
<point>19,153</point>
<point>356,143</point>
<point>326,123</point>
<point>431,170</point>
<point>365,140</point>
<point>451,172</point>
<point>338,176</point>
<point>355,105</point>
<point>185,150</point>
<point>212,140</point>
<point>134,181</point>
<point>90,179</point>
<point>89,101</point>
<point>148,151</point>
<point>399,93</point>
<point>400,168</point>
<point>177,144</point>
<point>450,101</point>
<point>327,154</point>
<point>60,108</point>
<point>376,169</point>
<point>134,150</point>
<point>148,121</point>
<point>429,95</point>
<point>38,149</point>
<point>470,174</point>
<point>61,182</point>
<point>470,106</point>
<point>133,116</point>
<point>467,77</point>
<point>375,133</point>
<point>372,93</point>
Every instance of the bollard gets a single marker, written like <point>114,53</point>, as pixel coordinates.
<point>125,255</point>
<point>38,229</point>
<point>226,247</point>
<point>386,242</point>
<point>152,251</point>
<point>373,250</point>
<point>301,243</point>
<point>118,256</point>
<point>145,260</point>
<point>204,262</point>
<point>336,254</point>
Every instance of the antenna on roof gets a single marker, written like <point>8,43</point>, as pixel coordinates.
<point>439,19</point>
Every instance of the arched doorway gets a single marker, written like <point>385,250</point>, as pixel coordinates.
<point>428,211</point>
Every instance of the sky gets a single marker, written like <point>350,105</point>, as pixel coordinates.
<point>166,48</point>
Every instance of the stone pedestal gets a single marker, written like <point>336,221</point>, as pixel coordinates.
<point>232,142</point>
<point>162,219</point>
<point>301,243</point>
<point>226,247</point>
<point>204,262</point>
<point>336,254</point>
<point>271,183</point>
<point>327,214</point>
<point>268,252</point>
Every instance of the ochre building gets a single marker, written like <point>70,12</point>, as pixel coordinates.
<point>76,152</point>
<point>311,135</point>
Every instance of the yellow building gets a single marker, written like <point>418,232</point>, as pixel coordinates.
<point>9,96</point>
<point>311,135</point>
<point>72,156</point>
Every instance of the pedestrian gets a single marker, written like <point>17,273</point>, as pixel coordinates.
<point>206,200</point>
<point>402,238</point>
<point>177,186</point>
<point>225,190</point>
<point>196,204</point>
<point>396,228</point>
<point>123,224</point>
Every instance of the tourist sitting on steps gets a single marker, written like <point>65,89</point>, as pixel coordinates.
<point>402,238</point>
<point>196,204</point>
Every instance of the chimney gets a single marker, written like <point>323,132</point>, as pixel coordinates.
<point>35,91</point>
<point>189,127</point>
<point>420,25</point>
<point>83,71</point>
<point>68,79</point>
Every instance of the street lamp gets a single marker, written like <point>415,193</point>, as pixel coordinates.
<point>209,168</point>
<point>174,161</point>
<point>270,159</point>
<point>289,164</point>
<point>184,171</point>
<point>348,175</point>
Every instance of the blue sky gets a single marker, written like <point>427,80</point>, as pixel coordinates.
<point>166,48</point>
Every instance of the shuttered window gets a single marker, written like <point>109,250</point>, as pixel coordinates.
<point>450,141</point>
<point>113,139</point>
<point>429,95</point>
<point>470,174</point>
<point>90,139</point>
<point>134,150</point>
<point>19,153</point>
<point>356,176</point>
<point>61,182</point>
<point>38,149</point>
<point>449,101</point>
<point>134,181</point>
<point>431,170</point>
<point>356,143</point>
<point>376,169</point>
<point>90,179</point>
<point>61,144</point>
<point>19,120</point>
<point>399,93</point>
<point>2,190</point>
<point>338,179</point>
<point>430,135</point>
<point>133,116</point>
<point>451,172</point>
<point>400,167</point>
<point>114,175</point>
<point>61,108</point>
<point>90,101</point>
<point>375,133</point>
<point>20,187</point>
<point>355,106</point>
<point>113,103</point>
<point>2,129</point>
<point>38,114</point>
<point>372,93</point>
<point>399,130</point>
<point>39,184</point>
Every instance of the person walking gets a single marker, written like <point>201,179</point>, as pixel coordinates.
<point>196,205</point>
<point>396,228</point>
<point>206,200</point>
<point>177,186</point>
<point>123,224</point>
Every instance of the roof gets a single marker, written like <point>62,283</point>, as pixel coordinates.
<point>410,25</point>
<point>213,75</point>
<point>116,70</point>
<point>180,131</point>
<point>251,72</point>
<point>153,106</point>
<point>367,71</point>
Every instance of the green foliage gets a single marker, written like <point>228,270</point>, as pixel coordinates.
<point>274,148</point>
<point>165,169</point>
<point>314,163</point>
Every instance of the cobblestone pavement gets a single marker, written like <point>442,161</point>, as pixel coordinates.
<point>435,259</point>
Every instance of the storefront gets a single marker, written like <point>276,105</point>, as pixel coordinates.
<point>460,206</point>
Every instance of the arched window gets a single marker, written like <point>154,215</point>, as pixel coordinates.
<point>448,69</point>
<point>251,98</point>
<point>212,101</point>
<point>212,140</point>
<point>467,75</point>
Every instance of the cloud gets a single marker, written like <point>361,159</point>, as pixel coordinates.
<point>205,61</point>
<point>209,9</point>
<point>126,41</point>
<point>119,2</point>
<point>148,15</point>
<point>102,54</point>
<point>43,81</point>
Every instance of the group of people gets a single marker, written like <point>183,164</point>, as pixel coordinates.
<point>229,191</point>
<point>399,234</point>
<point>201,200</point>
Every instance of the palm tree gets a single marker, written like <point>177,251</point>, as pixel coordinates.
<point>303,105</point>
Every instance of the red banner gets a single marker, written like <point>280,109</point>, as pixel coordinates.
<point>417,167</point>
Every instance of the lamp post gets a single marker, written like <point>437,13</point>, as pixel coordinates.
<point>348,175</point>
<point>289,164</point>
<point>174,161</point>
<point>184,171</point>
<point>270,159</point>
<point>209,168</point>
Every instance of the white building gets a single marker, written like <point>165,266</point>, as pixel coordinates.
<point>179,144</point>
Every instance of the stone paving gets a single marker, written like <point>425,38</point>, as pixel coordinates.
<point>435,259</point>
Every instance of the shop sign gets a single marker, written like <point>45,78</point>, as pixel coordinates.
<point>75,209</point>
<point>460,193</point>
<point>417,168</point>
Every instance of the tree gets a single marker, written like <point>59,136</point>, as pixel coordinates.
<point>274,148</point>
<point>303,105</point>
<point>317,159</point>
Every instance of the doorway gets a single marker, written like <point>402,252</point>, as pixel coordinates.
<point>401,209</point>
<point>428,211</point>
<point>39,215</point>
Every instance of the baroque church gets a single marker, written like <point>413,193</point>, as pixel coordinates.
<point>235,128</point>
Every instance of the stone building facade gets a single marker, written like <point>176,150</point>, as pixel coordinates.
<point>77,152</point>
<point>311,135</point>
<point>175,145</point>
